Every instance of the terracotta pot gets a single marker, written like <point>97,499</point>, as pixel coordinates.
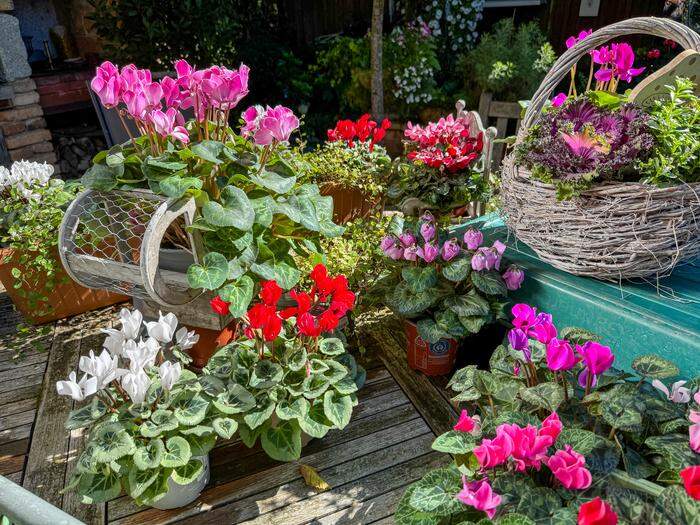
<point>209,342</point>
<point>65,299</point>
<point>433,359</point>
<point>349,203</point>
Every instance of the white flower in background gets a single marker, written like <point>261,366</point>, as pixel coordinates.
<point>114,342</point>
<point>678,393</point>
<point>186,340</point>
<point>131,323</point>
<point>24,175</point>
<point>136,384</point>
<point>169,374</point>
<point>163,329</point>
<point>142,354</point>
<point>104,368</point>
<point>77,390</point>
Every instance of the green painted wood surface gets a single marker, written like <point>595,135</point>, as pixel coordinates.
<point>632,318</point>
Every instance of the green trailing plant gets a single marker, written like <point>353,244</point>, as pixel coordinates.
<point>675,125</point>
<point>30,215</point>
<point>451,287</point>
<point>558,428</point>
<point>147,425</point>
<point>287,376</point>
<point>508,61</point>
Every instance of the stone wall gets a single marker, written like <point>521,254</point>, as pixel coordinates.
<point>23,126</point>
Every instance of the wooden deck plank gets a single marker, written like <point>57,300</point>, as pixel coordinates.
<point>20,383</point>
<point>17,419</point>
<point>12,374</point>
<point>374,510</point>
<point>26,392</point>
<point>7,363</point>
<point>15,433</point>
<point>18,406</point>
<point>14,448</point>
<point>297,493</point>
<point>11,464</point>
<point>45,470</point>
<point>345,496</point>
<point>235,490</point>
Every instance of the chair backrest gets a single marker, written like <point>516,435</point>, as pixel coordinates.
<point>502,113</point>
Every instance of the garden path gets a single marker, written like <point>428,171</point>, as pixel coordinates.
<point>368,464</point>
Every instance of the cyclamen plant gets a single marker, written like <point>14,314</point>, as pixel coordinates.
<point>286,378</point>
<point>253,214</point>
<point>552,399</point>
<point>149,423</point>
<point>452,285</point>
<point>442,166</point>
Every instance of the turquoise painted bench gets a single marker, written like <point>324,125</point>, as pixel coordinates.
<point>632,318</point>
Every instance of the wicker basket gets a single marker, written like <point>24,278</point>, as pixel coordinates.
<point>615,230</point>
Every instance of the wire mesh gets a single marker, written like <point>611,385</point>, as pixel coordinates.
<point>109,228</point>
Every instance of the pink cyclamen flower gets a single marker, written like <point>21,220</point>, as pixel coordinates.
<point>407,239</point>
<point>172,96</point>
<point>543,329</point>
<point>467,423</point>
<point>568,466</point>
<point>164,124</point>
<point>481,496</point>
<point>559,100</point>
<point>269,125</point>
<point>450,250</point>
<point>596,358</point>
<point>694,430</point>
<point>473,239</point>
<point>560,355</point>
<point>479,261</point>
<point>226,87</point>
<point>392,248</point>
<point>493,452</point>
<point>411,253</point>
<point>524,316</point>
<point>136,104</point>
<point>513,277</point>
<point>427,231</point>
<point>529,446</point>
<point>518,339</point>
<point>428,252</point>
<point>573,40</point>
<point>107,84</point>
<point>551,426</point>
<point>678,393</point>
<point>617,61</point>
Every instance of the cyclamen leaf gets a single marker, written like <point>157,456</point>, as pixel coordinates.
<point>209,275</point>
<point>454,442</point>
<point>314,423</point>
<point>655,367</point>
<point>100,487</point>
<point>457,270</point>
<point>225,427</point>
<point>435,492</point>
<point>200,446</point>
<point>149,456</point>
<point>258,416</point>
<point>283,442</point>
<point>178,452</point>
<point>239,293</point>
<point>545,395</point>
<point>274,181</point>
<point>491,283</point>
<point>112,442</point>
<point>286,276</point>
<point>337,408</point>
<point>140,480</point>
<point>419,279</point>
<point>331,346</point>
<point>406,514</point>
<point>208,150</point>
<point>294,410</point>
<point>175,187</point>
<point>186,474</point>
<point>234,211</point>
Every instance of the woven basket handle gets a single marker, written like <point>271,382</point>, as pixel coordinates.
<point>661,27</point>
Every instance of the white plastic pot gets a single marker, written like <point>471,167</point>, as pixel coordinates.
<point>181,495</point>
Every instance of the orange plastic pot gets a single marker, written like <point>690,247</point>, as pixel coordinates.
<point>349,203</point>
<point>433,359</point>
<point>65,299</point>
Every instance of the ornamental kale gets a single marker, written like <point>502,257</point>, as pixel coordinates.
<point>580,142</point>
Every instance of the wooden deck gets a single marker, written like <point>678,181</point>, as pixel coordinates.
<point>368,464</point>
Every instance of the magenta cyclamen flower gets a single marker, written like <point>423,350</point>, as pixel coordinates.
<point>107,84</point>
<point>450,249</point>
<point>411,253</point>
<point>568,466</point>
<point>529,446</point>
<point>573,40</point>
<point>493,452</point>
<point>560,355</point>
<point>596,359</point>
<point>467,423</point>
<point>473,238</point>
<point>224,87</point>
<point>481,496</point>
<point>269,125</point>
<point>513,277</point>
<point>165,124</point>
<point>428,252</point>
<point>518,339</point>
<point>559,99</point>
<point>543,329</point>
<point>551,426</point>
<point>616,61</point>
<point>524,316</point>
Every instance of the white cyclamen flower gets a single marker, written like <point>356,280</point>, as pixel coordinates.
<point>678,393</point>
<point>131,323</point>
<point>136,385</point>
<point>114,342</point>
<point>77,390</point>
<point>169,374</point>
<point>186,340</point>
<point>163,329</point>
<point>142,354</point>
<point>104,368</point>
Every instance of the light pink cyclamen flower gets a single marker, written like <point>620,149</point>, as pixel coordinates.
<point>678,393</point>
<point>479,261</point>
<point>473,239</point>
<point>165,124</point>
<point>407,239</point>
<point>269,125</point>
<point>694,430</point>
<point>136,104</point>
<point>411,253</point>
<point>427,231</point>
<point>513,277</point>
<point>479,495</point>
<point>450,250</point>
<point>467,423</point>
<point>392,248</point>
<point>568,466</point>
<point>224,88</point>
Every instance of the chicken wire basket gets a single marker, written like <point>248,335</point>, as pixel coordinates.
<point>112,241</point>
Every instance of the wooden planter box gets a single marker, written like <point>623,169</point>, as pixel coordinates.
<point>349,203</point>
<point>65,300</point>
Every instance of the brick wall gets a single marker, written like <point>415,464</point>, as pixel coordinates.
<point>23,125</point>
